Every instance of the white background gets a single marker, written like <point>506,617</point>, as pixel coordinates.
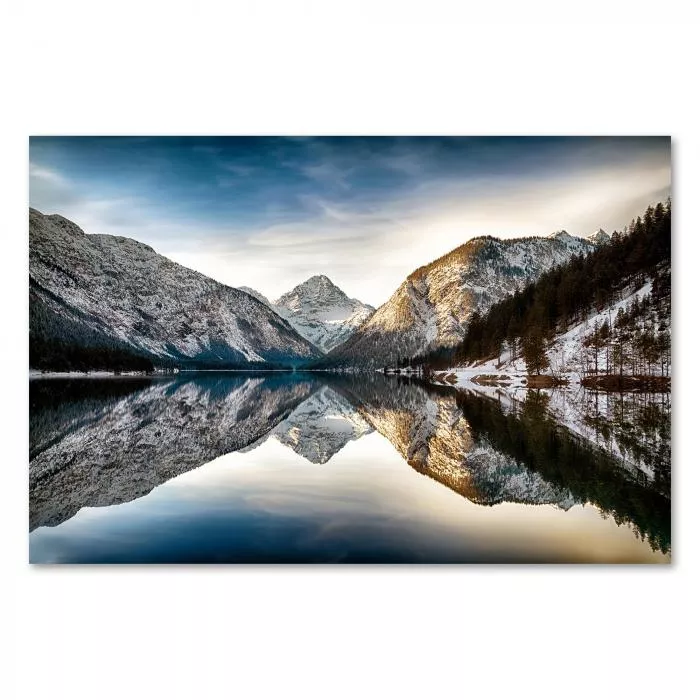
<point>361,67</point>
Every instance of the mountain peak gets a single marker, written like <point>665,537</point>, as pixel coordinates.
<point>599,236</point>
<point>433,306</point>
<point>322,312</point>
<point>318,282</point>
<point>318,287</point>
<point>560,235</point>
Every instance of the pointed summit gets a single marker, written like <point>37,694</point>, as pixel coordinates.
<point>318,284</point>
<point>319,311</point>
<point>318,288</point>
<point>322,312</point>
<point>560,235</point>
<point>598,237</point>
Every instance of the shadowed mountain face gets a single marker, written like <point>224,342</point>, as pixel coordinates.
<point>98,442</point>
<point>99,293</point>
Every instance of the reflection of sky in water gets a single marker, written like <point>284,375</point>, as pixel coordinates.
<point>365,504</point>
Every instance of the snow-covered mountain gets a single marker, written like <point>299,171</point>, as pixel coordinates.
<point>432,306</point>
<point>109,291</point>
<point>319,311</point>
<point>598,237</point>
<point>257,295</point>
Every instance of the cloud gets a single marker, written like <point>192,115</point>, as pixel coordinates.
<point>328,173</point>
<point>368,249</point>
<point>37,172</point>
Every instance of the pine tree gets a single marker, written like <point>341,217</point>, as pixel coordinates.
<point>512,337</point>
<point>534,352</point>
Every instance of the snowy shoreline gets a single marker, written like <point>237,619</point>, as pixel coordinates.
<point>97,374</point>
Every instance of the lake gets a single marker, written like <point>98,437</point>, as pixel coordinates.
<point>335,468</point>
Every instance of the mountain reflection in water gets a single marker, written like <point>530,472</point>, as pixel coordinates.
<point>96,444</point>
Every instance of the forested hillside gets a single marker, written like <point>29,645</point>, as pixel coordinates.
<point>615,301</point>
<point>432,307</point>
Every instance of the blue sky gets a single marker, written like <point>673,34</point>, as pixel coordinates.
<point>269,212</point>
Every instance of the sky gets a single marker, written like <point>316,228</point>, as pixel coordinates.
<point>269,212</point>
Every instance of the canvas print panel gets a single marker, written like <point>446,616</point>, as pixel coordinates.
<point>350,350</point>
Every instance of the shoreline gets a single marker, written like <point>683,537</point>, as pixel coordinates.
<point>111,374</point>
<point>466,377</point>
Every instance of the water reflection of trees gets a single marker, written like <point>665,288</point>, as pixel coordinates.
<point>639,427</point>
<point>527,434</point>
<point>534,438</point>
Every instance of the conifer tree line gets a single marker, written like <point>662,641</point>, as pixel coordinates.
<point>528,320</point>
<point>63,343</point>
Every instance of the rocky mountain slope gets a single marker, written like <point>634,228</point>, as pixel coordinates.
<point>257,295</point>
<point>102,291</point>
<point>319,311</point>
<point>433,305</point>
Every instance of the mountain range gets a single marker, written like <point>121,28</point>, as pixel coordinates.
<point>108,294</point>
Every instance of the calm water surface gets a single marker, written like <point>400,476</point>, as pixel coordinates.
<point>327,468</point>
